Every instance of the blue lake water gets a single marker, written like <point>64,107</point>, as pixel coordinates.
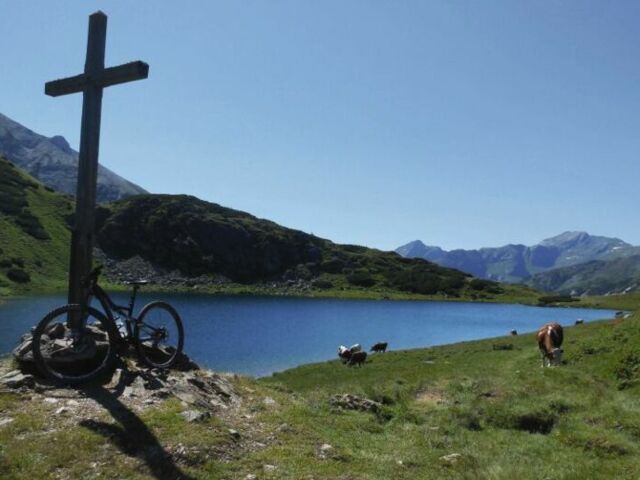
<point>261,335</point>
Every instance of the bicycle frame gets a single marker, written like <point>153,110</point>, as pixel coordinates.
<point>110,307</point>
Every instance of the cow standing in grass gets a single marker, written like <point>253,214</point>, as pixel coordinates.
<point>357,358</point>
<point>379,347</point>
<point>549,339</point>
<point>344,353</point>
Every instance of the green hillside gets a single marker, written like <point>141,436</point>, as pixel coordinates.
<point>620,274</point>
<point>34,236</point>
<point>198,239</point>
<point>180,232</point>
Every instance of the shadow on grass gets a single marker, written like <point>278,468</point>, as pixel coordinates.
<point>132,436</point>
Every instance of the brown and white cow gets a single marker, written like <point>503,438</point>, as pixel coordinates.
<point>549,339</point>
<point>344,353</point>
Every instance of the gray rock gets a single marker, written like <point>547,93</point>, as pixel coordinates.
<point>5,421</point>
<point>348,401</point>
<point>17,379</point>
<point>451,459</point>
<point>325,451</point>
<point>234,434</point>
<point>54,163</point>
<point>270,402</point>
<point>195,415</point>
<point>284,427</point>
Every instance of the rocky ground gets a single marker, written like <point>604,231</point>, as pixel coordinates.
<point>118,409</point>
<point>134,268</point>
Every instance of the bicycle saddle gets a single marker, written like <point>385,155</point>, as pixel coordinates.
<point>137,282</point>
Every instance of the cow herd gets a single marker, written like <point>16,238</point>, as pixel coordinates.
<point>549,338</point>
<point>355,356</point>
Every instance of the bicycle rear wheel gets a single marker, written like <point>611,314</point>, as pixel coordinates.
<point>159,335</point>
<point>74,356</point>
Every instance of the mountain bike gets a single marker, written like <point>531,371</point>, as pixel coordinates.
<point>76,343</point>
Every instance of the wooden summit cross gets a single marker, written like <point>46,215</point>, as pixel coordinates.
<point>90,83</point>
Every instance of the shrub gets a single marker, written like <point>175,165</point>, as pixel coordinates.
<point>333,265</point>
<point>18,261</point>
<point>489,286</point>
<point>556,299</point>
<point>31,225</point>
<point>18,275</point>
<point>323,284</point>
<point>628,371</point>
<point>361,278</point>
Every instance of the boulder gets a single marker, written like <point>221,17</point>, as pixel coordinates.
<point>348,401</point>
<point>17,379</point>
<point>195,415</point>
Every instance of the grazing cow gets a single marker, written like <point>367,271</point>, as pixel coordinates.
<point>379,347</point>
<point>579,321</point>
<point>514,332</point>
<point>357,358</point>
<point>549,339</point>
<point>344,353</point>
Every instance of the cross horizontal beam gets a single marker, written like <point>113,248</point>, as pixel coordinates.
<point>109,76</point>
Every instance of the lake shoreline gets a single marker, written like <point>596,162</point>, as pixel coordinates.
<point>243,291</point>
<point>258,335</point>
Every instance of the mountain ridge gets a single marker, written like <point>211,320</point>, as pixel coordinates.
<point>185,242</point>
<point>55,163</point>
<point>516,263</point>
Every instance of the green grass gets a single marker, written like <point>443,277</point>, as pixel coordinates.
<point>507,416</point>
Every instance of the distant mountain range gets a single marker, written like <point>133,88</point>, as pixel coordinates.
<point>572,262</point>
<point>55,163</point>
<point>599,277</point>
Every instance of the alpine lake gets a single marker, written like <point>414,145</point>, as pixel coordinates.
<point>260,335</point>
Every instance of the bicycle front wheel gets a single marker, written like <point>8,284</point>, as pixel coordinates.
<point>159,335</point>
<point>74,355</point>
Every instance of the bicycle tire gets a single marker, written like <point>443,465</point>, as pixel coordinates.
<point>143,350</point>
<point>46,366</point>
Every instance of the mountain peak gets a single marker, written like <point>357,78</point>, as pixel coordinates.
<point>55,163</point>
<point>570,238</point>
<point>61,142</point>
<point>417,249</point>
<point>515,263</point>
<point>565,237</point>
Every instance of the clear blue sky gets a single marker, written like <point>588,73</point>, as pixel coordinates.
<point>464,124</point>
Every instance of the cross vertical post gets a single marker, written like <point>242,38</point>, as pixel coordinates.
<point>82,235</point>
<point>91,83</point>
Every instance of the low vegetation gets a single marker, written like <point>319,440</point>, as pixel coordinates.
<point>34,236</point>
